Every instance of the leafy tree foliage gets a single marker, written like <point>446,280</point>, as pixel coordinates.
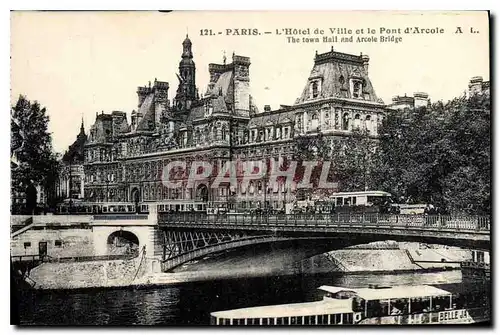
<point>32,159</point>
<point>438,155</point>
<point>351,159</point>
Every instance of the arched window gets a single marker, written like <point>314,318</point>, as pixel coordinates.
<point>345,121</point>
<point>368,123</point>
<point>314,121</point>
<point>357,121</point>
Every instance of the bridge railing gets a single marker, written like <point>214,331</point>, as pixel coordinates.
<point>53,259</point>
<point>431,222</point>
<point>111,217</point>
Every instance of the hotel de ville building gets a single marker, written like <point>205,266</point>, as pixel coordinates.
<point>122,161</point>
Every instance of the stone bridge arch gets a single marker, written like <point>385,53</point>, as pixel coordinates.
<point>140,236</point>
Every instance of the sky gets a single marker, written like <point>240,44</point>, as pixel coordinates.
<point>77,64</point>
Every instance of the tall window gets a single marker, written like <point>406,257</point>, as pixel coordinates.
<point>345,121</point>
<point>356,92</point>
<point>314,121</point>
<point>368,123</point>
<point>357,121</point>
<point>224,133</point>
<point>197,136</point>
<point>315,91</point>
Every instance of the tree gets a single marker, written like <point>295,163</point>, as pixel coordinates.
<point>350,158</point>
<point>353,160</point>
<point>33,162</point>
<point>438,155</point>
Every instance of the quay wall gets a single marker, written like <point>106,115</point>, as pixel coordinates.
<point>72,242</point>
<point>90,274</point>
<point>355,260</point>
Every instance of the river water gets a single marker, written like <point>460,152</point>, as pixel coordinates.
<point>191,303</point>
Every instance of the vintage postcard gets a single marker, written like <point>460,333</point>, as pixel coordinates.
<point>250,168</point>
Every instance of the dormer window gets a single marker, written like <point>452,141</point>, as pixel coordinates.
<point>357,89</point>
<point>208,108</point>
<point>315,88</point>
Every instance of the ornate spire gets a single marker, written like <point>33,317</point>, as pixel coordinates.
<point>186,48</point>
<point>82,128</point>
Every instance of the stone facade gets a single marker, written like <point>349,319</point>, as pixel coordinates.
<point>72,242</point>
<point>124,162</point>
<point>70,184</point>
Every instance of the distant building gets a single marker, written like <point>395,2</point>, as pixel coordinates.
<point>71,180</point>
<point>419,99</point>
<point>478,86</point>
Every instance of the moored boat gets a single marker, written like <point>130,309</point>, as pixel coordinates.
<point>421,304</point>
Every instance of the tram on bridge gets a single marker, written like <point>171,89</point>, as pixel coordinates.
<point>170,206</point>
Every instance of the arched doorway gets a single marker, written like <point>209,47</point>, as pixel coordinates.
<point>136,198</point>
<point>122,242</point>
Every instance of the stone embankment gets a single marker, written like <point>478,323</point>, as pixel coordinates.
<point>137,271</point>
<point>113,273</point>
<point>399,260</point>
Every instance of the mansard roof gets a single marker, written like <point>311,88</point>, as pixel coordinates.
<point>335,70</point>
<point>279,117</point>
<point>148,113</point>
<point>101,130</point>
<point>223,86</point>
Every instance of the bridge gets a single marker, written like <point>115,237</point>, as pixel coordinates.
<point>188,236</point>
<point>173,239</point>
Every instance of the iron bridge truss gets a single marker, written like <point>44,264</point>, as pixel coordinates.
<point>181,246</point>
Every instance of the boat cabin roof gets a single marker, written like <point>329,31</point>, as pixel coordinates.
<point>326,306</point>
<point>395,292</point>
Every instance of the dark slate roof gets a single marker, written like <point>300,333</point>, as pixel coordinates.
<point>224,86</point>
<point>75,153</point>
<point>148,113</point>
<point>196,113</point>
<point>331,66</point>
<point>100,132</point>
<point>271,118</point>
